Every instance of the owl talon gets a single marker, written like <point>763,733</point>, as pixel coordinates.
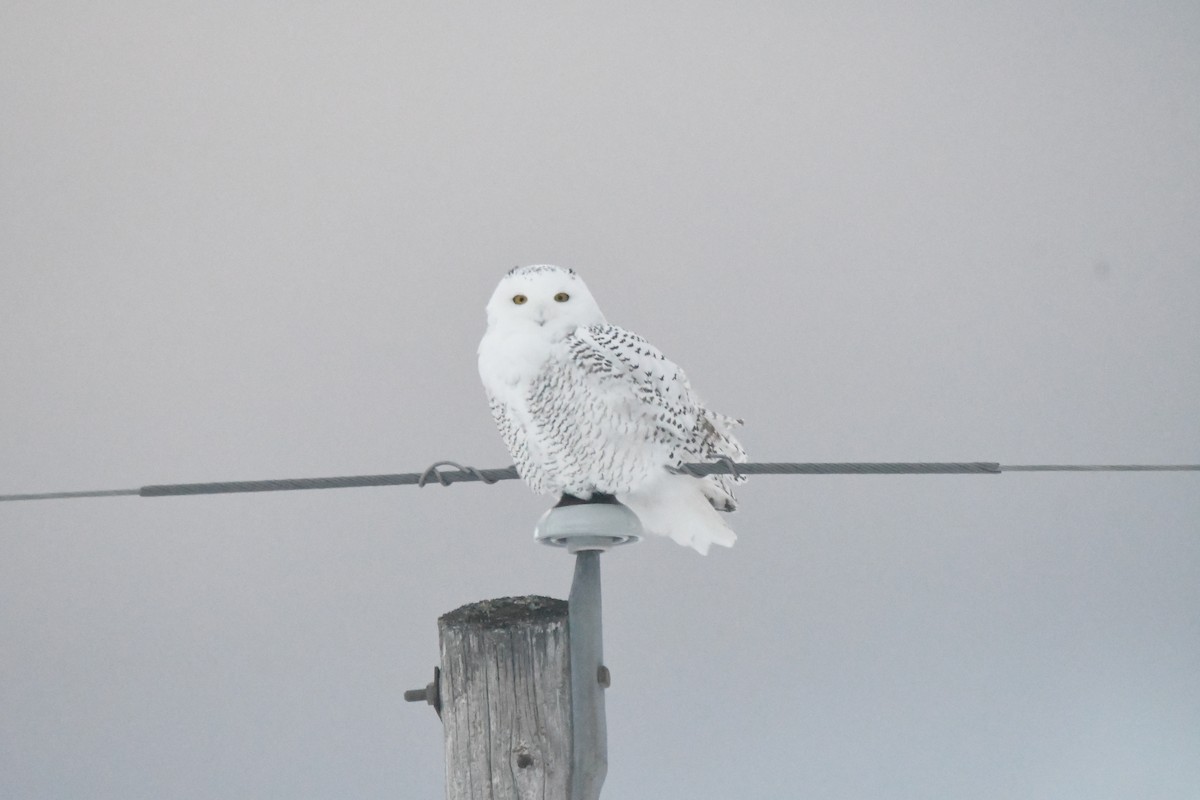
<point>597,497</point>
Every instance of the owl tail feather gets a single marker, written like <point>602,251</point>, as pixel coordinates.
<point>676,506</point>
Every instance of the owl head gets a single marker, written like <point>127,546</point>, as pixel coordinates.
<point>542,300</point>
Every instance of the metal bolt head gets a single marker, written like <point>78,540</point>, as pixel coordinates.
<point>431,694</point>
<point>603,676</point>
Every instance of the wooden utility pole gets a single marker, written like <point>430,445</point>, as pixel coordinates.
<point>520,689</point>
<point>506,699</point>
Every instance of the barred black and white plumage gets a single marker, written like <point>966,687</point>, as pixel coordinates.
<point>586,407</point>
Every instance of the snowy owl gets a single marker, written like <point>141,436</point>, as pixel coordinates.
<point>589,408</point>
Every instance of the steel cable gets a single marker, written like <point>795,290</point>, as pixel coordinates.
<point>458,473</point>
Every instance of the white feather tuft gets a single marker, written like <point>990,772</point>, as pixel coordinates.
<point>678,507</point>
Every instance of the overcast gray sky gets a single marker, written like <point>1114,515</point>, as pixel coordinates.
<point>254,240</point>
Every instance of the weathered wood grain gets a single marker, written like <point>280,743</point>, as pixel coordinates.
<point>506,699</point>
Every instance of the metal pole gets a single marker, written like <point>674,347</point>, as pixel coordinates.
<point>587,529</point>
<point>589,678</point>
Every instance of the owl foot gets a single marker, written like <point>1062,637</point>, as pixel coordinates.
<point>597,497</point>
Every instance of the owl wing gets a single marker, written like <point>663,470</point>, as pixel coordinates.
<point>692,432</point>
<point>516,440</point>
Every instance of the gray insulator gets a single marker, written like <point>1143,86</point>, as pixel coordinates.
<point>588,526</point>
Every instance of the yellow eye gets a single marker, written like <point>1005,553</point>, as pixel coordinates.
<point>520,299</point>
<point>562,297</point>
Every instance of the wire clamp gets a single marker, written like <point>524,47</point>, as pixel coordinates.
<point>726,461</point>
<point>432,471</point>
